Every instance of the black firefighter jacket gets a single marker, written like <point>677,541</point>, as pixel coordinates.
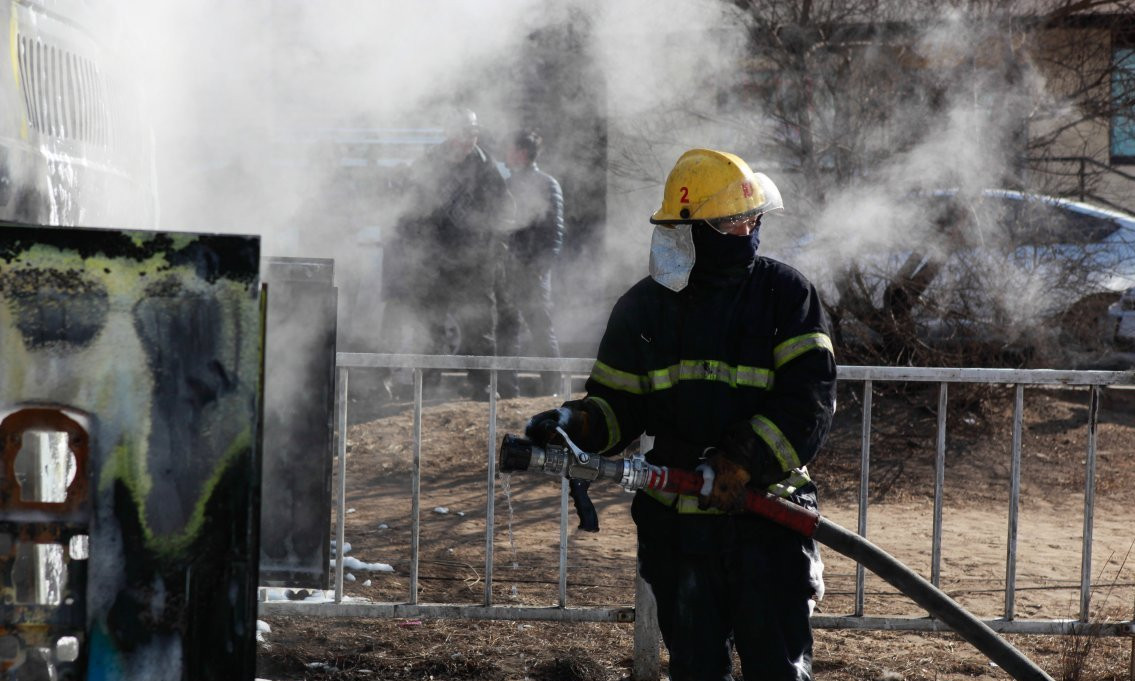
<point>748,355</point>
<point>447,232</point>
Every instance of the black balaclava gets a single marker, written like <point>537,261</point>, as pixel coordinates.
<point>722,258</point>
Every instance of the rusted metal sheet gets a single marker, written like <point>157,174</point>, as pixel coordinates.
<point>149,343</point>
<point>43,541</point>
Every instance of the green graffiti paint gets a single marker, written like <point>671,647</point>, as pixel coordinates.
<point>158,337</point>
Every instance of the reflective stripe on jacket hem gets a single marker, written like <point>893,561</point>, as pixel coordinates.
<point>688,503</point>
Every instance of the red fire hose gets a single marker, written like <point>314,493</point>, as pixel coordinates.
<point>518,454</point>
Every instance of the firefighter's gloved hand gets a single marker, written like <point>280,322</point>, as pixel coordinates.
<point>588,518</point>
<point>541,428</point>
<point>723,482</point>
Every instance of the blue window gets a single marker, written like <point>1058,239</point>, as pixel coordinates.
<point>1123,105</point>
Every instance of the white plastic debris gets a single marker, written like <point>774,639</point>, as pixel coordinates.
<point>321,665</point>
<point>305,595</point>
<point>356,564</point>
<point>441,509</point>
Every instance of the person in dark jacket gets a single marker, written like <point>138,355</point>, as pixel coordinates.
<point>526,298</point>
<point>725,357</point>
<point>439,270</point>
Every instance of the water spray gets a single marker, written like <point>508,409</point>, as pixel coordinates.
<point>567,460</point>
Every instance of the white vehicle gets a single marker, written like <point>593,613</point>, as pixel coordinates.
<point>1124,311</point>
<point>995,268</point>
<point>73,148</point>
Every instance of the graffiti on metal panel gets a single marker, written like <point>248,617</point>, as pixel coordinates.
<point>157,337</point>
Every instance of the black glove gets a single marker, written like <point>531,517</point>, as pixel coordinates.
<point>588,518</point>
<point>541,428</point>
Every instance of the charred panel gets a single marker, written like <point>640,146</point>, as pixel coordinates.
<point>155,339</point>
<point>299,386</point>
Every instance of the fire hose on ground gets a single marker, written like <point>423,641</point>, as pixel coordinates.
<point>567,460</point>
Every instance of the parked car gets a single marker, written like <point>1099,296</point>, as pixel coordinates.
<point>995,269</point>
<point>1124,312</point>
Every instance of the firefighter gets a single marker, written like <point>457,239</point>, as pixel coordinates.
<point>725,357</point>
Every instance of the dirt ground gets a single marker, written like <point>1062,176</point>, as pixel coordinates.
<point>455,450</point>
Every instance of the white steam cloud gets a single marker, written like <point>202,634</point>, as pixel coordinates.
<point>233,89</point>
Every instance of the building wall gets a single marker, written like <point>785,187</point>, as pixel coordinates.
<point>1068,58</point>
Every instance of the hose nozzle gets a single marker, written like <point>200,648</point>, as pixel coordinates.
<point>567,460</point>
<point>516,454</point>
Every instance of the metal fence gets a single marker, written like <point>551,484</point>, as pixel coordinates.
<point>646,637</point>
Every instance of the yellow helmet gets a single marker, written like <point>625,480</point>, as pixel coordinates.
<point>713,185</point>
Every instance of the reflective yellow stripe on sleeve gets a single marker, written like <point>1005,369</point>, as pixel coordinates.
<point>781,448</point>
<point>614,434</point>
<point>796,479</point>
<point>794,347</point>
<point>611,377</point>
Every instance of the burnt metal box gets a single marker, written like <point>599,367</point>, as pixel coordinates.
<point>130,393</point>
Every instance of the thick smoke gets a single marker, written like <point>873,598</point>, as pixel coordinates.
<point>957,133</point>
<point>966,143</point>
<point>255,108</point>
<point>241,97</point>
<point>295,120</point>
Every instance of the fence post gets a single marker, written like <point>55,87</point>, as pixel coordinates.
<point>647,661</point>
<point>341,484</point>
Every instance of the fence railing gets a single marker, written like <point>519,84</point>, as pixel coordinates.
<point>646,640</point>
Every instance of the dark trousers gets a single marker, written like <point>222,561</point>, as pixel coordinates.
<point>722,581</point>
<point>446,312</point>
<point>464,319</point>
